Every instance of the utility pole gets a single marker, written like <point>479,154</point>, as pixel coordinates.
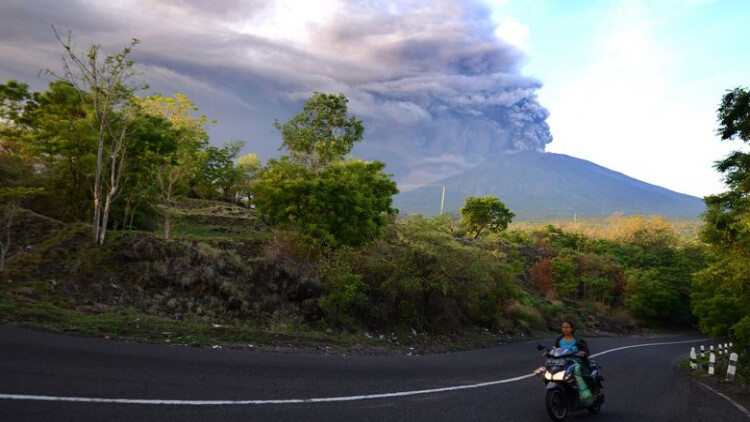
<point>442,201</point>
<point>442,197</point>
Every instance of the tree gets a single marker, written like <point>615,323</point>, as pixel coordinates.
<point>219,178</point>
<point>734,115</point>
<point>565,277</point>
<point>720,297</point>
<point>15,163</point>
<point>248,166</point>
<point>315,189</point>
<point>485,213</point>
<point>346,203</point>
<point>322,133</point>
<point>106,83</point>
<point>63,144</point>
<point>14,98</point>
<point>177,165</point>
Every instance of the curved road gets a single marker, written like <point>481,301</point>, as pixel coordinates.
<point>173,383</point>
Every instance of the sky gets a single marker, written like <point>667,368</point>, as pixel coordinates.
<point>441,86</point>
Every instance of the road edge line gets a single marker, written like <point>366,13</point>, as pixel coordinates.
<point>727,398</point>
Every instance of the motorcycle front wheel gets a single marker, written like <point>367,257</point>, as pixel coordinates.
<point>557,404</point>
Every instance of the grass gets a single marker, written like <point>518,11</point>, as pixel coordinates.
<point>209,231</point>
<point>37,305</point>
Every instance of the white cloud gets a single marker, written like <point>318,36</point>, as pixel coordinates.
<point>514,33</point>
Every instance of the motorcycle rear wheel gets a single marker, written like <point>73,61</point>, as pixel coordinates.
<point>557,404</point>
<point>594,408</point>
<point>597,406</point>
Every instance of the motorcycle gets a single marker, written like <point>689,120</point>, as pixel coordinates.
<point>562,380</point>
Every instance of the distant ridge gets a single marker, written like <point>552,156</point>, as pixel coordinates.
<point>543,186</point>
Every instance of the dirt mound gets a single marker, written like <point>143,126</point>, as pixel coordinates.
<point>29,229</point>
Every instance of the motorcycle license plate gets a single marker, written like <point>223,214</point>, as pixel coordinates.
<point>555,362</point>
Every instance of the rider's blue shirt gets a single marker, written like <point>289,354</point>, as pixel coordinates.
<point>570,345</point>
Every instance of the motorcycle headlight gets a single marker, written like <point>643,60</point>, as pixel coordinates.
<point>548,375</point>
<point>558,376</point>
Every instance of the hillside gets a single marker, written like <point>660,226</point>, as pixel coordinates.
<point>541,185</point>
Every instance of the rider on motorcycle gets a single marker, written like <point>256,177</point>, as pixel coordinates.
<point>569,341</point>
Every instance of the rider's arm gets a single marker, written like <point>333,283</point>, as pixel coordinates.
<point>583,347</point>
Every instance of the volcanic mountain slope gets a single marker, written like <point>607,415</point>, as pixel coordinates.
<point>543,186</point>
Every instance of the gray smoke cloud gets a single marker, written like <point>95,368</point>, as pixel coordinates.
<point>437,90</point>
<point>446,96</point>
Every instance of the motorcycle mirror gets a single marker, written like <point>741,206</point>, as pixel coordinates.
<point>540,347</point>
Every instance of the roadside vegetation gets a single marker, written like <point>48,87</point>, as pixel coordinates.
<point>121,219</point>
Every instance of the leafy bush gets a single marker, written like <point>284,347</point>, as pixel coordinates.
<point>421,275</point>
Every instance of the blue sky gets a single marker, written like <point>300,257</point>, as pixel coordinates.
<point>634,85</point>
<point>441,86</point>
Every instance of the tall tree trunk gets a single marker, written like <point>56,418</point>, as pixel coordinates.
<point>98,186</point>
<point>132,216</point>
<point>105,214</point>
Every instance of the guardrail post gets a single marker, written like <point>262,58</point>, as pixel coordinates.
<point>693,364</point>
<point>711,363</point>
<point>732,368</point>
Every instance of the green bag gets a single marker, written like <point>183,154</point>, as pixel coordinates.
<point>584,394</point>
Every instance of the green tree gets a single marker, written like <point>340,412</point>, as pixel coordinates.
<point>315,189</point>
<point>248,166</point>
<point>107,84</point>
<point>344,204</point>
<point>720,295</point>
<point>174,167</point>
<point>564,276</point>
<point>322,133</point>
<point>63,144</point>
<point>219,178</point>
<point>15,159</point>
<point>485,213</point>
<point>14,99</point>
<point>153,143</point>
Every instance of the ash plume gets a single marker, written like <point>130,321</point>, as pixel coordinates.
<point>437,90</point>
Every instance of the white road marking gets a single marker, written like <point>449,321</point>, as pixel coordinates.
<point>297,401</point>
<point>737,405</point>
<point>642,345</point>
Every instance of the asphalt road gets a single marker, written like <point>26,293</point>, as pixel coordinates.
<point>642,383</point>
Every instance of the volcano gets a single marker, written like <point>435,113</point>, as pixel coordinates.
<point>549,186</point>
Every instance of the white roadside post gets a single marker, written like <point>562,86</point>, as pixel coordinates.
<point>703,351</point>
<point>711,363</point>
<point>721,351</point>
<point>726,348</point>
<point>732,368</point>
<point>693,364</point>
